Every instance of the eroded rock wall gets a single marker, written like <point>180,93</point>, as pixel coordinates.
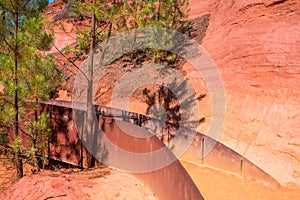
<point>256,46</point>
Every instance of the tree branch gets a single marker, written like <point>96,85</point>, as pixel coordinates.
<point>6,42</point>
<point>68,59</point>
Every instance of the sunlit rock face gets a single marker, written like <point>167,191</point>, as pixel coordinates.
<point>256,46</point>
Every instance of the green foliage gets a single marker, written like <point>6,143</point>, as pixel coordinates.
<point>3,138</point>
<point>34,32</point>
<point>16,146</point>
<point>42,79</point>
<point>25,73</point>
<point>82,39</point>
<point>40,128</point>
<point>115,16</point>
<point>40,131</point>
<point>7,116</point>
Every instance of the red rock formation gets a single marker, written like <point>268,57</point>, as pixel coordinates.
<point>256,46</point>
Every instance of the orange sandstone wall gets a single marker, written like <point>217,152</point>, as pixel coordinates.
<point>256,46</point>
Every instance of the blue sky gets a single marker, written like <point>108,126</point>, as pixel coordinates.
<point>50,1</point>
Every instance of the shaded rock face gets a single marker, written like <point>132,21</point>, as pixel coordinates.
<point>256,46</point>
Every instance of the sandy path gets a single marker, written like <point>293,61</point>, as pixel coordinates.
<point>218,184</point>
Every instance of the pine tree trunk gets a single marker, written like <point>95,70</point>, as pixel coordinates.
<point>35,159</point>
<point>158,14</point>
<point>90,89</point>
<point>18,160</point>
<point>35,156</point>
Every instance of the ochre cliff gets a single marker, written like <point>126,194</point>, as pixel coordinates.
<point>256,46</point>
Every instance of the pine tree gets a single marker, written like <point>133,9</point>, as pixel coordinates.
<point>106,17</point>
<point>40,82</point>
<point>25,74</point>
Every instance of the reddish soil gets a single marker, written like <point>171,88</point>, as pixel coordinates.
<point>70,184</point>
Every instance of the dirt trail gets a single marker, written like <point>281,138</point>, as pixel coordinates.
<point>217,184</point>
